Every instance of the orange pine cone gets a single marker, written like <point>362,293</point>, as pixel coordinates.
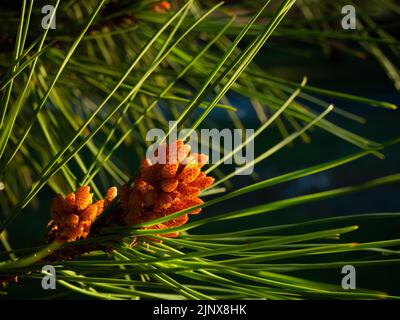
<point>162,189</point>
<point>161,7</point>
<point>73,214</point>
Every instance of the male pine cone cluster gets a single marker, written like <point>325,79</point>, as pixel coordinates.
<point>164,186</point>
<point>73,215</point>
<point>161,7</point>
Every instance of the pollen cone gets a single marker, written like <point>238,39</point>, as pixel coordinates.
<point>73,215</point>
<point>166,187</point>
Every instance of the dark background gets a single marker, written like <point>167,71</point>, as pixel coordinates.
<point>337,72</point>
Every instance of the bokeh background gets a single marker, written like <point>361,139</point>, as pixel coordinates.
<point>333,70</point>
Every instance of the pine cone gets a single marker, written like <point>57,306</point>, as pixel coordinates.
<point>73,214</point>
<point>162,189</point>
<point>161,7</point>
